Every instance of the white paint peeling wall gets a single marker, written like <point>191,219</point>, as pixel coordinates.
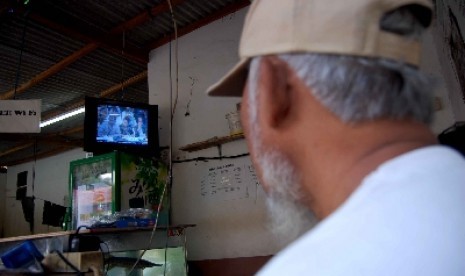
<point>226,227</point>
<point>445,30</point>
<point>2,201</point>
<point>444,117</point>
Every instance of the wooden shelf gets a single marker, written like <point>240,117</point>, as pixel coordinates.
<point>117,239</point>
<point>92,231</point>
<point>212,142</point>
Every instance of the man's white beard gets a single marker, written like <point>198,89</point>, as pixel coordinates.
<point>288,218</point>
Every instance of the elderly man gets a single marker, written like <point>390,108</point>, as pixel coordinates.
<point>336,115</point>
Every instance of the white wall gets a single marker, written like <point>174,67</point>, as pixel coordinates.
<point>50,183</point>
<point>225,227</point>
<point>2,200</point>
<point>441,37</point>
<point>444,117</point>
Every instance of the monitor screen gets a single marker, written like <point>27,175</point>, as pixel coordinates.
<point>117,125</point>
<point>122,125</point>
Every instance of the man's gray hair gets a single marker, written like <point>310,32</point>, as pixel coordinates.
<point>360,89</point>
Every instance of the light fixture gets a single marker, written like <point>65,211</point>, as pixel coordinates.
<point>62,116</point>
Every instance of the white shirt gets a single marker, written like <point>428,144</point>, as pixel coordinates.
<point>406,218</point>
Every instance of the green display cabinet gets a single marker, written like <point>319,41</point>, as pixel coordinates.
<point>116,181</point>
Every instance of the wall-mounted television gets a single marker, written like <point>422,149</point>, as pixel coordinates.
<point>111,125</point>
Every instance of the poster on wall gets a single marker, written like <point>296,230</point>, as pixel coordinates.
<point>229,182</point>
<point>450,41</point>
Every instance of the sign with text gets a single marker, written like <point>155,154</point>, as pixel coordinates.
<point>20,116</point>
<point>228,182</point>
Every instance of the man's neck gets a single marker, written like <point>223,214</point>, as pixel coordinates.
<point>336,168</point>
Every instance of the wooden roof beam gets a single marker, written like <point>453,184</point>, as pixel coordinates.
<point>52,138</point>
<point>146,16</point>
<point>17,148</point>
<point>90,47</point>
<point>40,155</point>
<point>57,67</point>
<point>104,93</point>
<point>108,43</point>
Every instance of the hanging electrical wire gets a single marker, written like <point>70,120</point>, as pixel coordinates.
<point>168,183</point>
<point>175,26</point>
<point>172,111</point>
<point>122,64</point>
<point>153,229</point>
<point>31,222</point>
<point>123,46</point>
<point>23,36</point>
<point>188,113</point>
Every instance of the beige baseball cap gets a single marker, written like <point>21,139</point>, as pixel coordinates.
<point>346,27</point>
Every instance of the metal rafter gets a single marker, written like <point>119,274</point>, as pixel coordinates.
<point>104,93</point>
<point>90,47</point>
<point>94,44</point>
<point>109,43</point>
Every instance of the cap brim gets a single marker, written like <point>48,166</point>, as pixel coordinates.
<point>232,84</point>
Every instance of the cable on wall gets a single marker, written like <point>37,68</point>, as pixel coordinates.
<point>168,183</point>
<point>33,184</point>
<point>206,159</point>
<point>123,46</point>
<point>188,113</point>
<point>172,112</point>
<point>34,166</point>
<point>122,64</point>
<point>153,229</point>
<point>67,262</point>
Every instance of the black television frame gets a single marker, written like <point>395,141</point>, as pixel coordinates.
<point>91,144</point>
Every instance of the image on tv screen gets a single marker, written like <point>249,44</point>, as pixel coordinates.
<point>122,125</point>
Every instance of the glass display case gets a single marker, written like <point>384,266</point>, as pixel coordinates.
<point>116,181</point>
<point>93,189</point>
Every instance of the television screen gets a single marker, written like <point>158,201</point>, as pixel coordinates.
<point>117,125</point>
<point>122,124</point>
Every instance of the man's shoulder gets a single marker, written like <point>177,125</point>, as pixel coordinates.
<point>433,157</point>
<point>393,224</point>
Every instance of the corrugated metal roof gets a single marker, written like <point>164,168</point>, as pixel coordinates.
<point>46,32</point>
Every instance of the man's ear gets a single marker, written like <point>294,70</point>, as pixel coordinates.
<point>274,95</point>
